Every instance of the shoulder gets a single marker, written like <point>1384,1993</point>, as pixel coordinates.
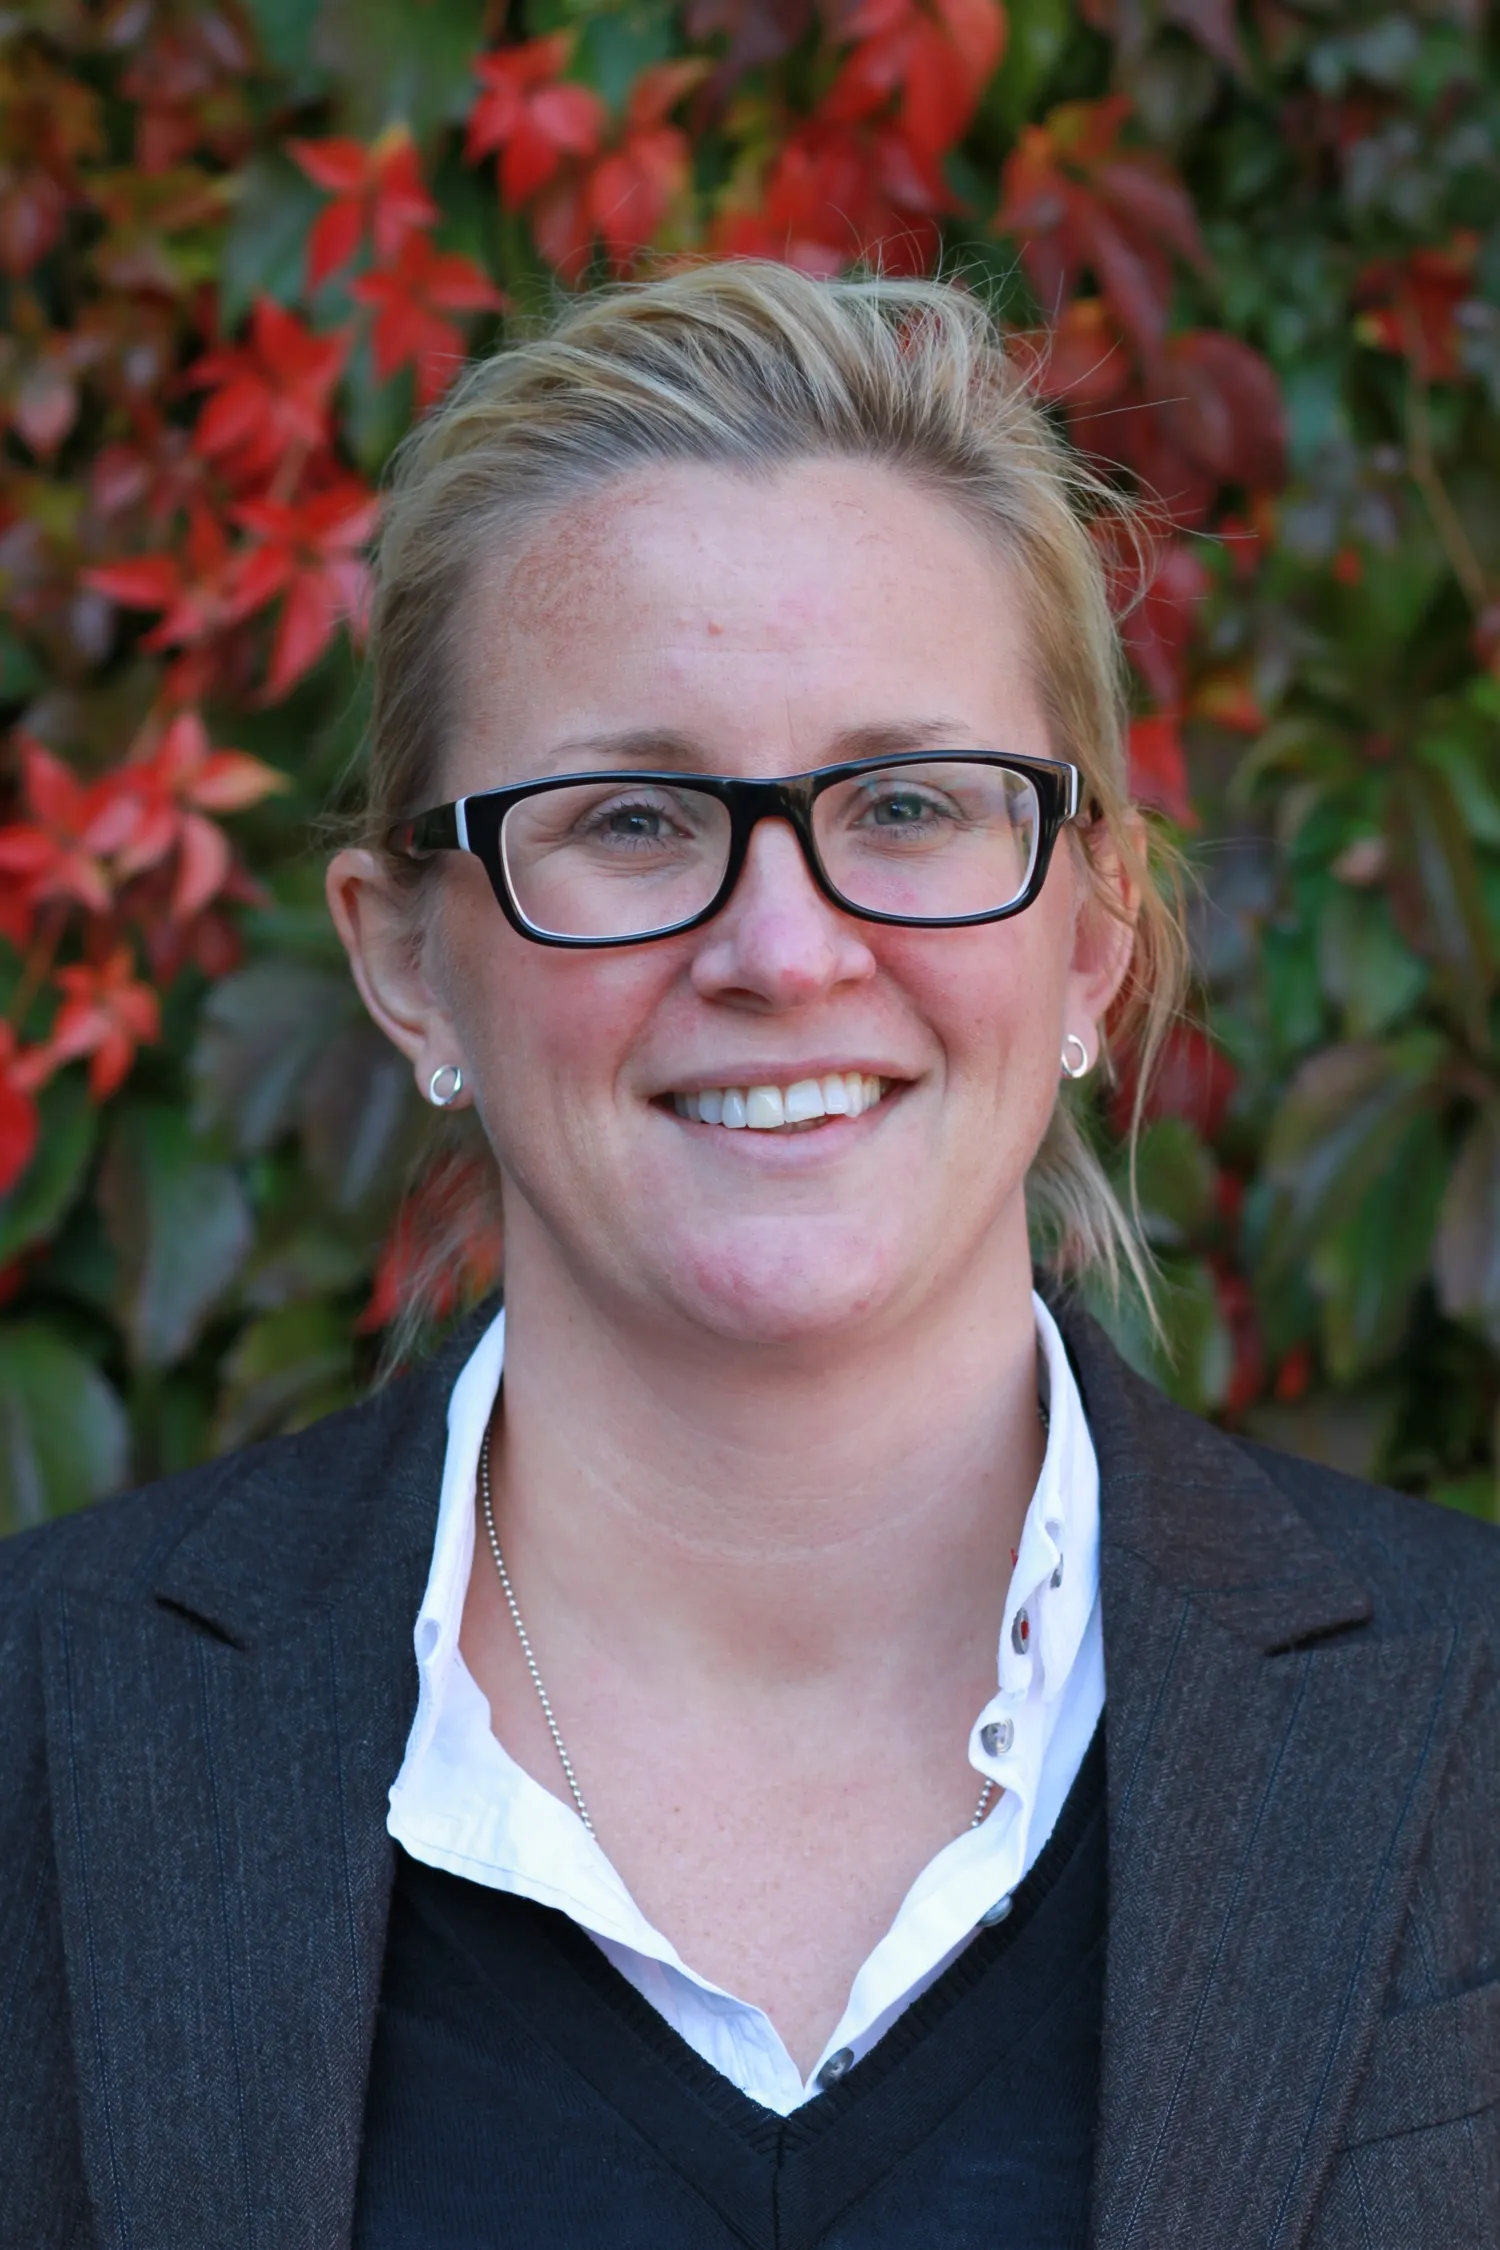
<point>1215,1511</point>
<point>1412,1552</point>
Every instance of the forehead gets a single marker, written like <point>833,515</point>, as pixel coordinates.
<point>759,618</point>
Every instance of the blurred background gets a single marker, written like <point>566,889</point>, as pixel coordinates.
<point>1254,248</point>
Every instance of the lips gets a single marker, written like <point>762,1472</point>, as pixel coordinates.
<point>798,1103</point>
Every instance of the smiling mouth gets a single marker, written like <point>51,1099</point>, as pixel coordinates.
<point>796,1108</point>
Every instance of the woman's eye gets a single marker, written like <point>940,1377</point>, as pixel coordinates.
<point>903,809</point>
<point>630,823</point>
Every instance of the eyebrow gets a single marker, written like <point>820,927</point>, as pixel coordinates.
<point>668,747</point>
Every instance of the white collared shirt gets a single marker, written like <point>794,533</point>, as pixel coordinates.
<point>462,1804</point>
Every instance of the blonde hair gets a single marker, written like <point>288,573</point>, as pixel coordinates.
<point>752,367</point>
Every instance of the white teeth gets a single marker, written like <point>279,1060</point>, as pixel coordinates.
<point>804,1100</point>
<point>766,1109</point>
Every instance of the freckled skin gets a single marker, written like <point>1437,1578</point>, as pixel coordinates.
<point>760,619</point>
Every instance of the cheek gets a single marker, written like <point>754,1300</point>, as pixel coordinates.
<point>994,997</point>
<point>547,1033</point>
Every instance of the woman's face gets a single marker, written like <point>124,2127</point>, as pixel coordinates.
<point>760,629</point>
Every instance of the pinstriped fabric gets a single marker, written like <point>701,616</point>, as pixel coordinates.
<point>43,2200</point>
<point>207,1688</point>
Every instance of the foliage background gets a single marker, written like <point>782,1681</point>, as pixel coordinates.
<point>241,243</point>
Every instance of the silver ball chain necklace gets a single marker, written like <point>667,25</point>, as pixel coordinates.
<point>545,1700</point>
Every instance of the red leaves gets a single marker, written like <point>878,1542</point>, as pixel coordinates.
<point>1158,627</point>
<point>558,158</point>
<point>1195,1079</point>
<point>836,193</point>
<point>412,298</point>
<point>1226,410</point>
<point>924,68</point>
<point>1189,413</point>
<point>19,1123</point>
<point>1158,767</point>
<point>377,190</point>
<point>533,117</point>
<point>169,791</point>
<point>1074,202</point>
<point>447,1233</point>
<point>310,554</point>
<point>270,395</point>
<point>306,550</point>
<point>106,1014</point>
<point>1411,304</point>
<point>58,853</point>
<point>624,194</point>
<point>864,178</point>
<point>196,589</point>
<point>82,842</point>
<point>84,845</point>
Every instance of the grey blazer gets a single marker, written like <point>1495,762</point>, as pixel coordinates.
<point>206,1688</point>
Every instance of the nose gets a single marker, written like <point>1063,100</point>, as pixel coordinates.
<point>779,943</point>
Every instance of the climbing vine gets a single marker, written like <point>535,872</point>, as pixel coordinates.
<point>1254,255</point>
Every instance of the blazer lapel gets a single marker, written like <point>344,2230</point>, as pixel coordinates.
<point>225,1875</point>
<point>224,1882</point>
<point>1273,1755</point>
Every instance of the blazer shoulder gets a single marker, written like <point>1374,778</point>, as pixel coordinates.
<point>1410,1549</point>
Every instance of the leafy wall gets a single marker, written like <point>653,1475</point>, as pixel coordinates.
<point>241,244</point>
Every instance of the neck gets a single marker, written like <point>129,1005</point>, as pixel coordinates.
<point>765,1516</point>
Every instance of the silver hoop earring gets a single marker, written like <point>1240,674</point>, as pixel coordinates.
<point>1075,1065</point>
<point>442,1097</point>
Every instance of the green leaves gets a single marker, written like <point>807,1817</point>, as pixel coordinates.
<point>286,1047</point>
<point>180,1225</point>
<point>1341,1125</point>
<point>46,1191</point>
<point>1467,1259</point>
<point>262,1031</point>
<point>1438,895</point>
<point>64,1437</point>
<point>399,62</point>
<point>265,248</point>
<point>1356,1163</point>
<point>1366,969</point>
<point>284,1370</point>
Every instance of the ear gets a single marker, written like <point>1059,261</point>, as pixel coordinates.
<point>1103,929</point>
<point>380,926</point>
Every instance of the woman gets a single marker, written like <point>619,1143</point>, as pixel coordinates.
<point>747,843</point>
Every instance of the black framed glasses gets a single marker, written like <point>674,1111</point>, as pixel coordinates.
<point>929,839</point>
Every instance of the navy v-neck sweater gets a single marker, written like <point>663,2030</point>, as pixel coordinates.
<point>523,2096</point>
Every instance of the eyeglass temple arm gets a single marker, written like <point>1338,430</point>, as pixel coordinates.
<point>444,829</point>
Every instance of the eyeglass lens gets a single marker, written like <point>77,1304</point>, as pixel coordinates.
<point>928,842</point>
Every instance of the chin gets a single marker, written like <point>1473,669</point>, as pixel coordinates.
<point>761,1287</point>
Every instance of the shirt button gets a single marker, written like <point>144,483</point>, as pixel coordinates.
<point>997,1913</point>
<point>996,1738</point>
<point>837,2066</point>
<point>1020,1633</point>
<point>1057,1574</point>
